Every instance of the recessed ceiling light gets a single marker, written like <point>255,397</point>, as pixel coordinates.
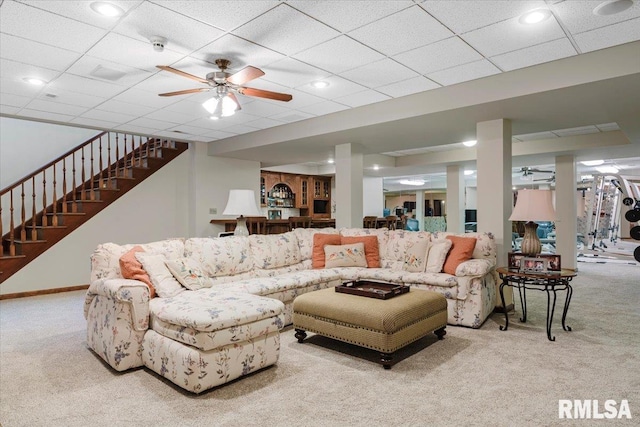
<point>468,172</point>
<point>376,167</point>
<point>607,169</point>
<point>34,81</point>
<point>330,161</point>
<point>592,162</point>
<point>320,84</point>
<point>535,16</point>
<point>470,143</point>
<point>611,7</point>
<point>415,182</point>
<point>106,9</point>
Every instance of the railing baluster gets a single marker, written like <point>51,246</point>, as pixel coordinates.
<point>23,215</point>
<point>74,188</point>
<point>45,221</point>
<point>83,180</point>
<point>12,239</point>
<point>147,149</point>
<point>64,185</point>
<point>140,150</point>
<point>117,154</point>
<point>101,178</point>
<point>124,158</point>
<point>54,201</point>
<point>92,193</point>
<point>34,222</point>
<point>109,160</point>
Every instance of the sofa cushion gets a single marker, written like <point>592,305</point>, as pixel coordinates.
<point>220,256</point>
<point>130,268</point>
<point>400,240</point>
<point>437,255</point>
<point>305,239</point>
<point>371,249</point>
<point>275,250</point>
<point>461,250</point>
<point>288,281</point>
<point>320,240</point>
<point>345,255</point>
<point>415,257</point>
<point>163,281</point>
<point>381,233</point>
<point>188,272</point>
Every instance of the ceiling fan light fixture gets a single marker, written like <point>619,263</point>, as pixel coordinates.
<point>535,16</point>
<point>220,106</point>
<point>106,9</point>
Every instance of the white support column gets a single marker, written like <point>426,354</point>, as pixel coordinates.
<point>372,196</point>
<point>420,209</point>
<point>494,187</point>
<point>566,219</point>
<point>455,199</point>
<point>349,167</point>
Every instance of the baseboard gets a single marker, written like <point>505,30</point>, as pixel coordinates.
<point>43,292</point>
<point>510,307</point>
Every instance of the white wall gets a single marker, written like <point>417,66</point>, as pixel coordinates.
<point>26,146</point>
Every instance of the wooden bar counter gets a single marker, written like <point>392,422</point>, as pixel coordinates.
<point>276,226</point>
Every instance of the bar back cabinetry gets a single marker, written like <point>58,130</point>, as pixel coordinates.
<point>312,193</point>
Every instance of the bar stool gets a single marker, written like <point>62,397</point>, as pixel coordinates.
<point>391,222</point>
<point>257,224</point>
<point>370,222</point>
<point>299,222</point>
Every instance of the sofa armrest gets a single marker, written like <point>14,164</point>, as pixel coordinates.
<point>133,293</point>
<point>475,267</point>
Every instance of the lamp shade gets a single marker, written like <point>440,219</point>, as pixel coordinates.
<point>242,202</point>
<point>533,205</point>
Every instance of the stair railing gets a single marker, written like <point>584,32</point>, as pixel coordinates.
<point>54,177</point>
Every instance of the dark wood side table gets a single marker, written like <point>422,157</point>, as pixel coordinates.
<point>550,283</point>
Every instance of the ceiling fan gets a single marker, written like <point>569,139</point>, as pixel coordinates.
<point>551,179</point>
<point>224,102</point>
<point>527,171</point>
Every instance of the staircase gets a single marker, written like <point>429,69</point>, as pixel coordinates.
<point>42,208</point>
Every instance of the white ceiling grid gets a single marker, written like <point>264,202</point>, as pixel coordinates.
<point>369,51</point>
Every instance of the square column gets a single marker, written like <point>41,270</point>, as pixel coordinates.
<point>494,188</point>
<point>420,209</point>
<point>566,218</point>
<point>349,193</point>
<point>455,199</point>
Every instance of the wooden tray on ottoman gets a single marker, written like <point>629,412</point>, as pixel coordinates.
<point>367,288</point>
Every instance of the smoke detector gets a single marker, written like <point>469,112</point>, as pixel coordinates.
<point>158,43</point>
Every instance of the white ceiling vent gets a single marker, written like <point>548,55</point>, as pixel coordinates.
<point>107,73</point>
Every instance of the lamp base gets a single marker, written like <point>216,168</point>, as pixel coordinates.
<point>241,227</point>
<point>530,245</point>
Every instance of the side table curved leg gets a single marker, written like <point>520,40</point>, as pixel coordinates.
<point>567,301</point>
<point>550,309</point>
<point>523,302</point>
<point>506,315</point>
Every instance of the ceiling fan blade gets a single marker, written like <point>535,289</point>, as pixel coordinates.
<point>184,92</point>
<point>235,99</point>
<point>247,74</point>
<point>260,93</point>
<point>182,73</point>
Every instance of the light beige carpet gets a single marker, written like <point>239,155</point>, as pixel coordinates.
<point>483,377</point>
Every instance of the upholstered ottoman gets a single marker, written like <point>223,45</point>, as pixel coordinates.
<point>199,340</point>
<point>383,325</point>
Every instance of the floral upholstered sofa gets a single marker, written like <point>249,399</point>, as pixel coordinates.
<point>204,311</point>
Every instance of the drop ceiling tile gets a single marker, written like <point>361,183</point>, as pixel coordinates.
<point>133,53</point>
<point>45,115</point>
<point>536,136</point>
<point>582,130</point>
<point>81,10</point>
<point>322,108</point>
<point>264,123</point>
<point>90,67</point>
<point>148,99</point>
<point>338,55</point>
<point>240,129</point>
<point>30,52</point>
<point>362,98</point>
<point>465,72</point>
<point>100,124</point>
<point>151,123</point>
<point>182,33</point>
<point>380,73</point>
<point>108,116</point>
<point>226,15</point>
<point>348,15</point>
<point>48,28</point>
<point>578,16</point>
<point>124,108</point>
<point>261,108</point>
<point>174,116</point>
<point>128,127</point>
<point>218,134</point>
<point>292,116</point>
<point>11,70</point>
<point>612,35</point>
<point>164,82</point>
<point>337,87</point>
<point>55,107</point>
<point>71,98</point>
<point>545,52</point>
<point>12,100</point>
<point>189,130</point>
<point>466,15</point>
<point>187,106</point>
<point>300,32</point>
<point>17,86</point>
<point>239,51</point>
<point>408,87</point>
<point>510,35</point>
<point>79,84</point>
<point>402,31</point>
<point>8,109</point>
<point>289,72</point>
<point>439,56</point>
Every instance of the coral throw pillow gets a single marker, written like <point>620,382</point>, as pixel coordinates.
<point>320,240</point>
<point>371,250</point>
<point>461,251</point>
<point>345,255</point>
<point>131,268</point>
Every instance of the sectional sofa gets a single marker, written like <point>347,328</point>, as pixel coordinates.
<point>220,303</point>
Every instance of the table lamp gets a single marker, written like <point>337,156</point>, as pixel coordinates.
<point>241,202</point>
<point>532,205</point>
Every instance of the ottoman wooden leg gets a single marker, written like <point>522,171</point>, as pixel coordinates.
<point>386,359</point>
<point>440,332</point>
<point>300,335</point>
